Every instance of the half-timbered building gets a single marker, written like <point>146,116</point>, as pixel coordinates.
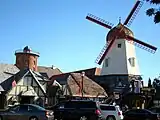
<point>74,86</point>
<point>24,81</point>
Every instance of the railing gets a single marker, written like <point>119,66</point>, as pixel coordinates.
<point>23,51</point>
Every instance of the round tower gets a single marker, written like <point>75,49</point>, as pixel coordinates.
<point>26,58</point>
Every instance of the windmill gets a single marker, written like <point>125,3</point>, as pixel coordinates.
<point>120,34</point>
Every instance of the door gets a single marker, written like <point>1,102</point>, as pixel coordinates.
<point>26,99</point>
<point>12,113</point>
<point>24,113</point>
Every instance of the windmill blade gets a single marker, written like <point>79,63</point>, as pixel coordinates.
<point>99,21</point>
<point>133,13</point>
<point>107,47</point>
<point>104,53</point>
<point>141,44</point>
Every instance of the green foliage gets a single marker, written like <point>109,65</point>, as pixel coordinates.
<point>154,1</point>
<point>149,83</point>
<point>150,12</point>
<point>157,17</point>
<point>154,11</point>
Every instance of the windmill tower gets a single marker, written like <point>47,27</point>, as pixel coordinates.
<point>118,55</point>
<point>121,59</point>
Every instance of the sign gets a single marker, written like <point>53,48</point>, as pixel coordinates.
<point>14,83</point>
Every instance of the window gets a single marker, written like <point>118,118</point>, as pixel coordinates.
<point>106,62</point>
<point>109,108</point>
<point>85,104</point>
<point>132,61</point>
<point>119,45</point>
<point>27,80</point>
<point>15,108</point>
<point>36,107</point>
<point>23,108</point>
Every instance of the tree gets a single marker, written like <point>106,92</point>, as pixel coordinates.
<point>149,83</point>
<point>154,12</point>
<point>156,82</point>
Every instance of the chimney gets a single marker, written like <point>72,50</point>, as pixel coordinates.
<point>53,67</point>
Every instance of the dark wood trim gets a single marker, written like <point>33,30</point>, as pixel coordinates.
<point>38,91</point>
<point>32,81</point>
<point>16,95</point>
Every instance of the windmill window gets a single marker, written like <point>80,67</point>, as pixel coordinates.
<point>132,61</point>
<point>106,62</point>
<point>119,45</point>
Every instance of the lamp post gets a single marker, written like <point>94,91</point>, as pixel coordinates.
<point>82,74</point>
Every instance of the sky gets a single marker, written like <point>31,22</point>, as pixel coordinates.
<point>58,30</point>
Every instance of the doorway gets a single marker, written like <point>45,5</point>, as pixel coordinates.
<point>26,99</point>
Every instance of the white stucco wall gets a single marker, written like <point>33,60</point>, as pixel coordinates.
<point>119,59</point>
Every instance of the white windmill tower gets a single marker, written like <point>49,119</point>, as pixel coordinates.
<point>118,55</point>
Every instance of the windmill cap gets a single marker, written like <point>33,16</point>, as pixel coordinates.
<point>124,31</point>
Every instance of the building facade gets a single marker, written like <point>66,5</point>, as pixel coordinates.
<point>25,81</point>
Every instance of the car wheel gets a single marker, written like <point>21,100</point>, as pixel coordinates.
<point>110,118</point>
<point>83,118</point>
<point>1,118</point>
<point>33,118</point>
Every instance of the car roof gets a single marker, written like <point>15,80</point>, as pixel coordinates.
<point>109,105</point>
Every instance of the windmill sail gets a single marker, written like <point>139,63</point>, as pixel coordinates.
<point>99,21</point>
<point>105,52</point>
<point>133,13</point>
<point>141,44</point>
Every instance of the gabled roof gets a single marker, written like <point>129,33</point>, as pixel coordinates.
<point>72,82</point>
<point>7,84</point>
<point>6,71</point>
<point>37,81</point>
<point>91,72</point>
<point>48,71</point>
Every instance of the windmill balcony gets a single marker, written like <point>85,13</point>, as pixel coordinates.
<point>19,51</point>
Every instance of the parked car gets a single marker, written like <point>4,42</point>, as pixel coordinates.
<point>26,112</point>
<point>140,114</point>
<point>77,110</point>
<point>111,112</point>
<point>155,109</point>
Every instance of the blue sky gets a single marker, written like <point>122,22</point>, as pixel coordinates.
<point>59,31</point>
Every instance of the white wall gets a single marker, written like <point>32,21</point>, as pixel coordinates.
<point>118,59</point>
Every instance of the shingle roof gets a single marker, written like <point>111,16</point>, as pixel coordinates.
<point>91,72</point>
<point>90,88</point>
<point>72,80</point>
<point>49,70</point>
<point>7,84</point>
<point>6,71</point>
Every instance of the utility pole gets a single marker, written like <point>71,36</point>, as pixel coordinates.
<point>82,75</point>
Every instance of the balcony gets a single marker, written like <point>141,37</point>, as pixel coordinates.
<point>19,51</point>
